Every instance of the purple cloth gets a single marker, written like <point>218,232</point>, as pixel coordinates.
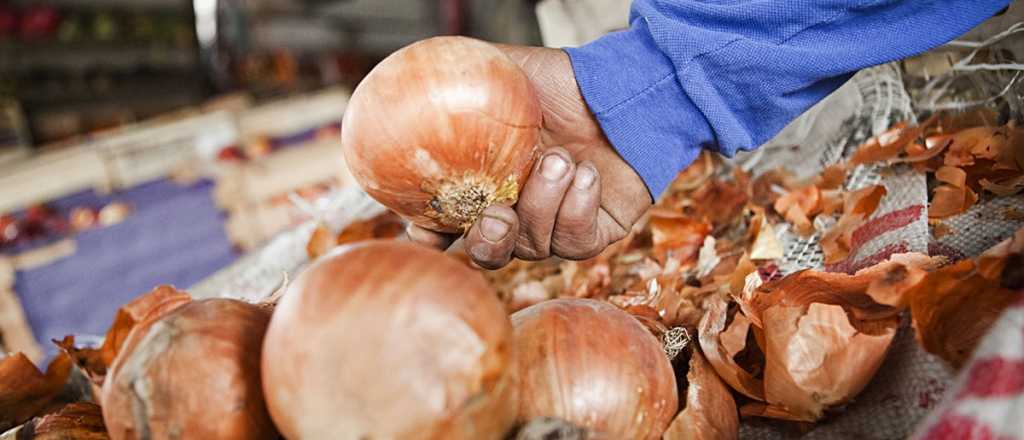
<point>729,75</point>
<point>175,236</point>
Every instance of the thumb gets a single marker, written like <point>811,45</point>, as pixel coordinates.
<point>430,238</point>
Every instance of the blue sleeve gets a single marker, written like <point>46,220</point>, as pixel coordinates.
<point>729,75</point>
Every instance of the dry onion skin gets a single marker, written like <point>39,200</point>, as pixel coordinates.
<point>147,307</point>
<point>953,307</point>
<point>592,364</point>
<point>25,391</point>
<point>387,339</point>
<point>74,421</point>
<point>193,373</point>
<point>710,411</point>
<point>323,239</point>
<point>442,129</point>
<point>820,336</point>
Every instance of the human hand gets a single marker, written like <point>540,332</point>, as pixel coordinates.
<point>580,196</point>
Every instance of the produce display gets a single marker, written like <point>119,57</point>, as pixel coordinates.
<point>43,224</point>
<point>685,329</point>
<point>85,67</point>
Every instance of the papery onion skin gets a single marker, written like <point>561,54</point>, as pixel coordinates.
<point>441,129</point>
<point>25,391</point>
<point>388,339</point>
<point>150,306</point>
<point>74,421</point>
<point>191,374</point>
<point>590,363</point>
<point>710,411</point>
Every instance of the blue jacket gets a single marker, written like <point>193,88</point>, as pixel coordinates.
<point>728,75</point>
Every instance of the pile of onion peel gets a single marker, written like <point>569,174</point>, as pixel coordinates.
<point>967,152</point>
<point>966,160</point>
<point>441,129</point>
<point>567,348</point>
<point>193,372</point>
<point>389,339</point>
<point>954,306</point>
<point>822,337</point>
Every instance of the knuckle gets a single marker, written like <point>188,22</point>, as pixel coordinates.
<point>574,249</point>
<point>615,235</point>
<point>528,252</point>
<point>574,225</point>
<point>530,215</point>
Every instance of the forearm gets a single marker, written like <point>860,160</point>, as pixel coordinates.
<point>689,75</point>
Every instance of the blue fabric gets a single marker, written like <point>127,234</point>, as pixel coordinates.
<point>174,236</point>
<point>728,75</point>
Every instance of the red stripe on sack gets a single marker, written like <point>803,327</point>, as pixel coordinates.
<point>851,266</point>
<point>956,427</point>
<point>996,377</point>
<point>886,223</point>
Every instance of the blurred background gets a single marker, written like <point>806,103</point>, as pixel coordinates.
<point>77,66</point>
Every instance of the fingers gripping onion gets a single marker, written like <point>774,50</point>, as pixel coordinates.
<point>441,129</point>
<point>191,374</point>
<point>594,365</point>
<point>387,339</point>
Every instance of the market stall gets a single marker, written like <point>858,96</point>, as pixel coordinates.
<point>244,272</point>
<point>81,229</point>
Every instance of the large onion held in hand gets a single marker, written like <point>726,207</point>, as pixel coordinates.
<point>387,339</point>
<point>191,374</point>
<point>593,364</point>
<point>442,129</point>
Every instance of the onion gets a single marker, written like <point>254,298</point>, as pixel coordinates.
<point>592,364</point>
<point>95,362</point>
<point>388,339</point>
<point>441,129</point>
<point>192,373</point>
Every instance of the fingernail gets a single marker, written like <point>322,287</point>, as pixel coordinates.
<point>493,229</point>
<point>585,176</point>
<point>553,167</point>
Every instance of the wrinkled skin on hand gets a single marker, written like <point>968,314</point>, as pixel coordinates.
<point>580,196</point>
